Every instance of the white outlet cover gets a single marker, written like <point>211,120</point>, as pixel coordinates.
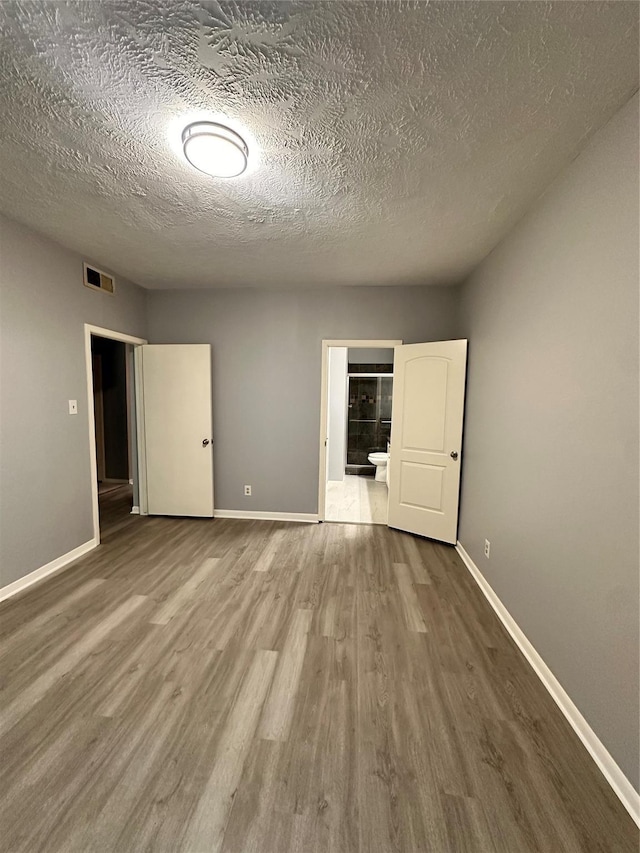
<point>73,407</point>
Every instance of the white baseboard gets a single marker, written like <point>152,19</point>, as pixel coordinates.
<point>135,510</point>
<point>622,787</point>
<point>310,518</point>
<point>44,571</point>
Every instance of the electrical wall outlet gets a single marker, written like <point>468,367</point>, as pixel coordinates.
<point>73,407</point>
<point>487,548</point>
<point>247,491</point>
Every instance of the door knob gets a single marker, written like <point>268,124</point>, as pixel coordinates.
<point>205,441</point>
<point>454,454</point>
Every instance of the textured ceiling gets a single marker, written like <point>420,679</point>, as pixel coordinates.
<point>398,142</point>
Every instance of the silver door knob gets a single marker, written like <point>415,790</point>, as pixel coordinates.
<point>205,441</point>
<point>454,454</point>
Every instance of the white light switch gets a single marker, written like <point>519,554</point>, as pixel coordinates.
<point>73,407</point>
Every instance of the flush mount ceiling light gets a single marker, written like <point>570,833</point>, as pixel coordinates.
<point>215,149</point>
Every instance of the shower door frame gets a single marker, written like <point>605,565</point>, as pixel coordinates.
<point>324,403</point>
<point>377,446</point>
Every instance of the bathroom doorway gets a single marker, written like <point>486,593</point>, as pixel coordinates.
<point>357,400</point>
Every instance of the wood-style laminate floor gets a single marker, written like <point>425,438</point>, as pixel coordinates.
<point>198,685</point>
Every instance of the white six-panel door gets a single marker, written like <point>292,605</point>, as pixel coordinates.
<point>426,438</point>
<point>176,383</point>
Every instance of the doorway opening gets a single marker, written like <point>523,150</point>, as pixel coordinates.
<point>423,466</point>
<point>356,425</point>
<point>111,371</point>
<point>113,433</point>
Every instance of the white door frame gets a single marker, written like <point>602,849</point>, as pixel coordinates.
<point>324,402</point>
<point>99,332</point>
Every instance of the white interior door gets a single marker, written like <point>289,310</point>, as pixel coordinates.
<point>176,385</point>
<point>426,438</point>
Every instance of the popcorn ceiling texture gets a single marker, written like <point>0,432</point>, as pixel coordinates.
<point>398,141</point>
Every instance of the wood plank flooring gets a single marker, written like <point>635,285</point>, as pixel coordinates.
<point>200,686</point>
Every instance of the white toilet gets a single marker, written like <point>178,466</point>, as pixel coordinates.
<point>380,461</point>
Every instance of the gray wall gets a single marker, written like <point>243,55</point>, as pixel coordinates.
<point>266,373</point>
<point>45,498</point>
<point>551,437</point>
<point>362,355</point>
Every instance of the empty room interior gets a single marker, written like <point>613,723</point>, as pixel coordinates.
<point>319,438</point>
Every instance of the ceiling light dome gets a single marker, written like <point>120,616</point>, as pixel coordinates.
<point>215,149</point>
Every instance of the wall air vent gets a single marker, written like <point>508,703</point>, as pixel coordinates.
<point>98,280</point>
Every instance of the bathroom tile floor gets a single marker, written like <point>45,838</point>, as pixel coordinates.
<point>356,499</point>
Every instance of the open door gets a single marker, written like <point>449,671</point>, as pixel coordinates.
<point>426,438</point>
<point>176,392</point>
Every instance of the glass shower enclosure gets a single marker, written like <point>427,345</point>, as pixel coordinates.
<point>369,419</point>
